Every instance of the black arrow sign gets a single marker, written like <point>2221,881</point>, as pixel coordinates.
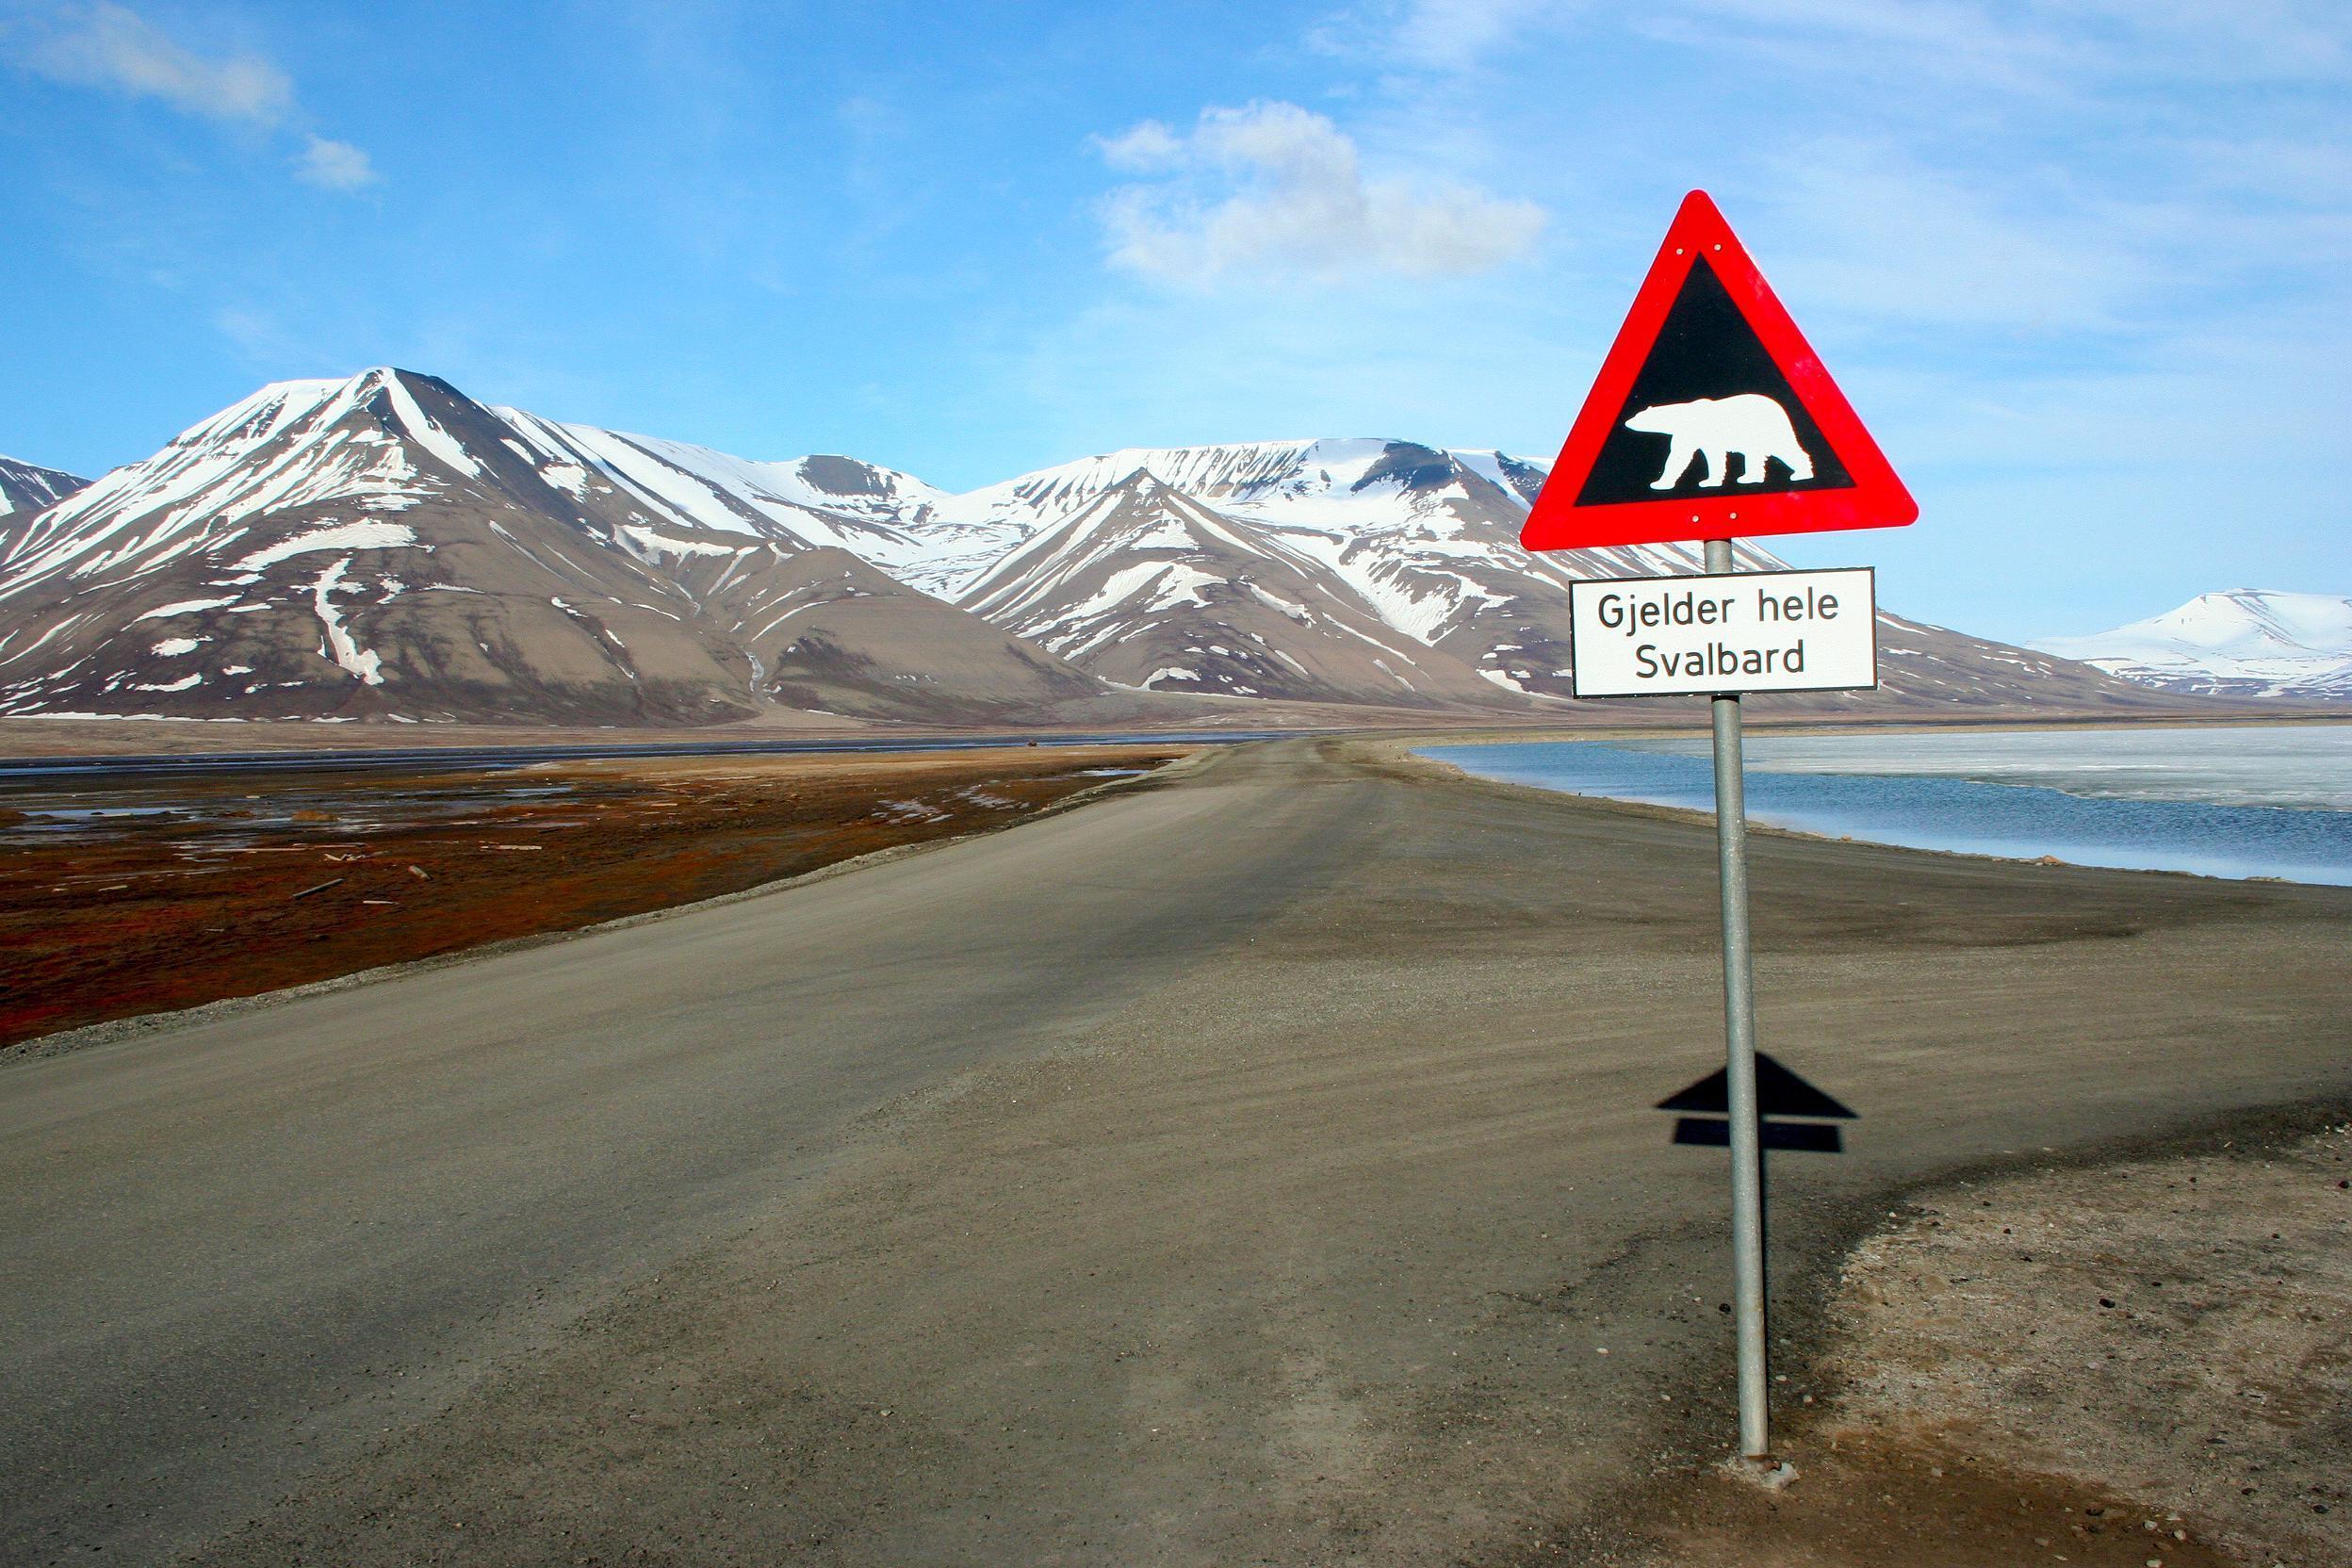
<point>1779,1093</point>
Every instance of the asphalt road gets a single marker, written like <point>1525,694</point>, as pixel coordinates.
<point>1257,1168</point>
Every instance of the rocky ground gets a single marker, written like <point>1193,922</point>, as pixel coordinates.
<point>2145,1362</point>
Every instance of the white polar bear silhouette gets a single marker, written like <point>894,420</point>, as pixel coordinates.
<point>1750,423</point>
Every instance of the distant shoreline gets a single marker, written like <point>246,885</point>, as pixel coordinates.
<point>33,735</point>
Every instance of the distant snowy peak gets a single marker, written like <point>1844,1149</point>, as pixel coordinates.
<point>1425,539</point>
<point>1519,476</point>
<point>1365,478</point>
<point>2244,641</point>
<point>978,529</point>
<point>377,443</point>
<point>806,502</point>
<point>27,487</point>
<point>1149,587</point>
<point>387,440</point>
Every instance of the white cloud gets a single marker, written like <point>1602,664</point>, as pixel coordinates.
<point>1454,34</point>
<point>1146,149</point>
<point>1437,35</point>
<point>333,166</point>
<point>1273,189</point>
<point>107,45</point>
<point>2072,43</point>
<point>2052,48</point>
<point>1878,234</point>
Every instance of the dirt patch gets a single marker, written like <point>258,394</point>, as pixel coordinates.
<point>2145,1362</point>
<point>146,897</point>
<point>1921,1499</point>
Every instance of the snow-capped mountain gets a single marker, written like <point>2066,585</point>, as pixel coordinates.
<point>385,545</point>
<point>1426,540</point>
<point>1146,586</point>
<point>27,487</point>
<point>882,517</point>
<point>2244,643</point>
<point>1422,540</point>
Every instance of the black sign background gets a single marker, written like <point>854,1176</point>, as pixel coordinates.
<point>1704,349</point>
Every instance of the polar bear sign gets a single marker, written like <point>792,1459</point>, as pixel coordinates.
<point>1747,425</point>
<point>1712,418</point>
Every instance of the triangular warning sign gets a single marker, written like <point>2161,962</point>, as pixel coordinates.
<point>1712,417</point>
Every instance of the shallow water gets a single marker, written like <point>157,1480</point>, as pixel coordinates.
<point>327,809</point>
<point>2234,802</point>
<point>2301,765</point>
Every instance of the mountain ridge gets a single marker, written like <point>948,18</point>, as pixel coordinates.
<point>384,547</point>
<point>27,487</point>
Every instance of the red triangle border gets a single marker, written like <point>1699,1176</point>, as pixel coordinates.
<point>1875,499</point>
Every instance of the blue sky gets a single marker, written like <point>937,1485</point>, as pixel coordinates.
<point>2078,263</point>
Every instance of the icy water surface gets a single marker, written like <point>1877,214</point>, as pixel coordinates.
<point>2271,801</point>
<point>328,808</point>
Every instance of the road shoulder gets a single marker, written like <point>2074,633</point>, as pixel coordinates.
<point>2136,1360</point>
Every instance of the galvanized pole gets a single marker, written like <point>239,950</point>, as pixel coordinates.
<point>1747,1167</point>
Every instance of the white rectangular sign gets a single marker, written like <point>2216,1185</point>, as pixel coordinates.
<point>1748,632</point>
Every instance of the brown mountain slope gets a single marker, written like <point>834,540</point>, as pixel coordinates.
<point>382,548</point>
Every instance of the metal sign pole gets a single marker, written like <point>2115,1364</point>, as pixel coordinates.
<point>1747,1169</point>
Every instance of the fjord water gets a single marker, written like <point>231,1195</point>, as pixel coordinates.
<point>2257,801</point>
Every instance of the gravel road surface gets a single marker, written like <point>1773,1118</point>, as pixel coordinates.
<point>1257,1168</point>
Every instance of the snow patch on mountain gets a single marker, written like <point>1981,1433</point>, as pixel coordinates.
<point>340,536</point>
<point>364,664</point>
